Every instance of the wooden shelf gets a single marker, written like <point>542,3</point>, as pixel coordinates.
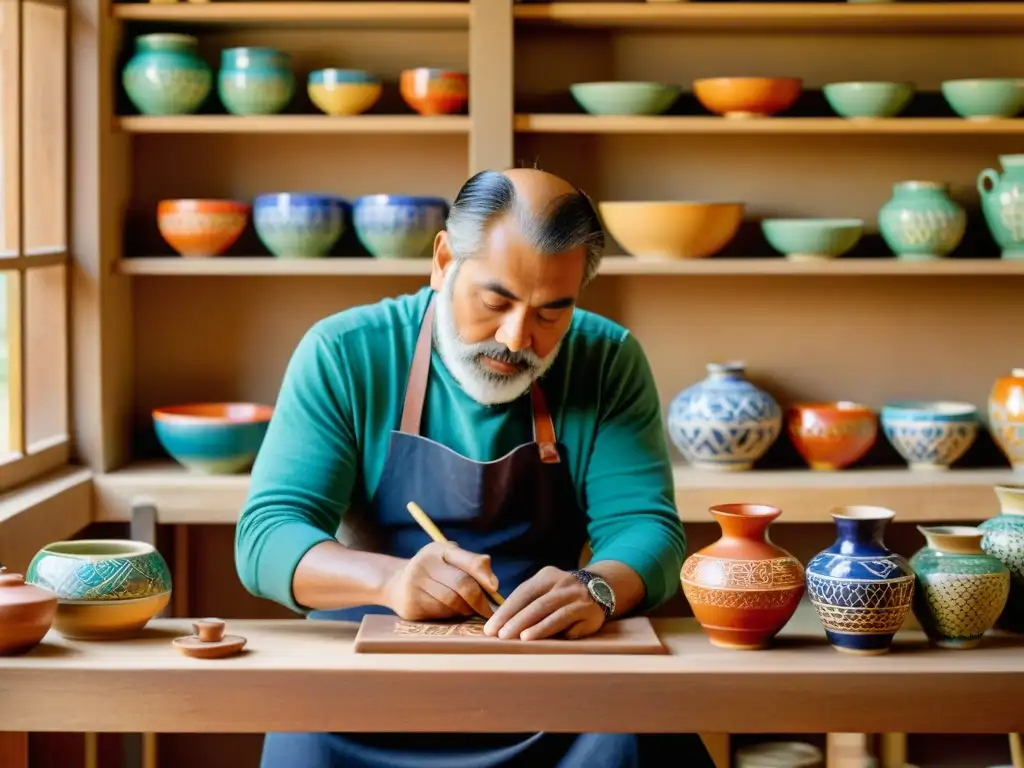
<point>363,124</point>
<point>417,15</point>
<point>907,18</point>
<point>782,126</point>
<point>804,496</point>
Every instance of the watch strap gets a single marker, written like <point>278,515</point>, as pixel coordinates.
<point>588,579</point>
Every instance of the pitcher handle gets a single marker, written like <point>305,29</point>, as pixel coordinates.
<point>992,177</point>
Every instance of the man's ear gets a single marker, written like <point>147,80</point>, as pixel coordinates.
<point>442,260</point>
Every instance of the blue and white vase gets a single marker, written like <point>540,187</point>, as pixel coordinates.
<point>724,422</point>
<point>861,590</point>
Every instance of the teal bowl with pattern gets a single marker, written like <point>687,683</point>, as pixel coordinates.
<point>930,436</point>
<point>213,438</point>
<point>255,81</point>
<point>812,239</point>
<point>868,99</point>
<point>985,98</point>
<point>106,589</point>
<point>624,98</point>
<point>166,76</point>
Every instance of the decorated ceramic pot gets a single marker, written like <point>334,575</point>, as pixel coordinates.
<point>434,91</point>
<point>921,222</point>
<point>213,438</point>
<point>300,226</point>
<point>1006,416</point>
<point>930,436</point>
<point>166,76</point>
<point>724,422</point>
<point>343,91</point>
<point>1002,204</point>
<point>255,81</point>
<point>831,436</point>
<point>743,588</point>
<point>1004,539</point>
<point>961,591</point>
<point>201,228</point>
<point>107,589</point>
<point>861,589</point>
<point>26,613</point>
<point>399,226</point>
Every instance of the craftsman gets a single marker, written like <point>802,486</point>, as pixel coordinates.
<point>523,426</point>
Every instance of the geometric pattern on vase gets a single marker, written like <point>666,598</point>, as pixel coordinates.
<point>931,444</point>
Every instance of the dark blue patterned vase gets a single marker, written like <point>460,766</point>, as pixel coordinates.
<point>861,590</point>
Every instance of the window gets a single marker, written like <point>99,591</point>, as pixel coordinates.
<point>34,352</point>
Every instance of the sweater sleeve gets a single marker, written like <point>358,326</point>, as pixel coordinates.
<point>630,492</point>
<point>303,476</point>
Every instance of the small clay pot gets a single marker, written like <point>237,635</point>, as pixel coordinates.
<point>26,613</point>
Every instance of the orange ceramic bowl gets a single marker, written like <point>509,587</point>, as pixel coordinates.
<point>747,96</point>
<point>201,228</point>
<point>434,91</point>
<point>832,436</point>
<point>213,438</point>
<point>671,230</point>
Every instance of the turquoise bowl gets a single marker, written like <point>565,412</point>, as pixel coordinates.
<point>868,99</point>
<point>930,435</point>
<point>299,226</point>
<point>213,438</point>
<point>399,226</point>
<point>615,98</point>
<point>255,81</point>
<point>985,99</point>
<point>166,76</point>
<point>812,239</point>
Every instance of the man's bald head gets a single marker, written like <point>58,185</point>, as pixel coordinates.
<point>551,214</point>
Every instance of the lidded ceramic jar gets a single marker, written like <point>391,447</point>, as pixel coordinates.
<point>861,590</point>
<point>961,591</point>
<point>921,222</point>
<point>1006,416</point>
<point>255,81</point>
<point>743,588</point>
<point>166,76</point>
<point>26,613</point>
<point>724,422</point>
<point>1004,539</point>
<point>1002,204</point>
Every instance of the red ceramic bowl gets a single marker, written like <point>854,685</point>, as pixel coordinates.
<point>201,228</point>
<point>434,91</point>
<point>831,436</point>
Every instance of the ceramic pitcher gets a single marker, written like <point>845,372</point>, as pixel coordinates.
<point>921,222</point>
<point>1002,203</point>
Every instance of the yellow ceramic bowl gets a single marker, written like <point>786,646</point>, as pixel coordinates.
<point>672,230</point>
<point>340,92</point>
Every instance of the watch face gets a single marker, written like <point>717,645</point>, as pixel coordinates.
<point>602,592</point>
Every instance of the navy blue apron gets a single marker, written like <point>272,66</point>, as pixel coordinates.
<point>520,509</point>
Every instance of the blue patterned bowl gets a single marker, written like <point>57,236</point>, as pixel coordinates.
<point>213,438</point>
<point>399,226</point>
<point>299,226</point>
<point>930,435</point>
<point>106,588</point>
<point>255,81</point>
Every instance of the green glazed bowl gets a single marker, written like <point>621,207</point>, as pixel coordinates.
<point>624,98</point>
<point>812,239</point>
<point>985,99</point>
<point>868,99</point>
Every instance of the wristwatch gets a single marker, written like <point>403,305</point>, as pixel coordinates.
<point>599,589</point>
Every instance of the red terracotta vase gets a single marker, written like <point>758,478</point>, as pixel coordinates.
<point>743,589</point>
<point>831,436</point>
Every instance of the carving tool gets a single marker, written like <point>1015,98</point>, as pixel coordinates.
<point>435,533</point>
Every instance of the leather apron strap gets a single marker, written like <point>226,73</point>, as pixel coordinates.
<point>416,395</point>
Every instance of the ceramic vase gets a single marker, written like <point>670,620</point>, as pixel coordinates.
<point>861,590</point>
<point>255,81</point>
<point>1006,416</point>
<point>743,588</point>
<point>961,590</point>
<point>921,222</point>
<point>1002,204</point>
<point>1004,539</point>
<point>166,76</point>
<point>831,436</point>
<point>724,422</point>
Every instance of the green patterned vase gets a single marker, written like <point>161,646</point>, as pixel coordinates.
<point>920,222</point>
<point>961,590</point>
<point>1004,539</point>
<point>166,76</point>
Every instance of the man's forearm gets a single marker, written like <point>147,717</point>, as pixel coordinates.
<point>332,576</point>
<point>625,583</point>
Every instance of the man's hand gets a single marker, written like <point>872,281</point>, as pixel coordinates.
<point>439,582</point>
<point>551,602</point>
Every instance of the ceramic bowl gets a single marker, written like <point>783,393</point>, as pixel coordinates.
<point>671,230</point>
<point>434,91</point>
<point>624,98</point>
<point>930,435</point>
<point>343,91</point>
<point>212,438</point>
<point>166,75</point>
<point>741,97</point>
<point>399,226</point>
<point>255,81</point>
<point>300,226</point>
<point>812,239</point>
<point>201,228</point>
<point>107,589</point>
<point>985,99</point>
<point>831,436</point>
<point>868,99</point>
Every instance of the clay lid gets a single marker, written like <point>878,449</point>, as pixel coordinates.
<point>14,590</point>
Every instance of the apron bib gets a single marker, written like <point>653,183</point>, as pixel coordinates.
<point>520,509</point>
